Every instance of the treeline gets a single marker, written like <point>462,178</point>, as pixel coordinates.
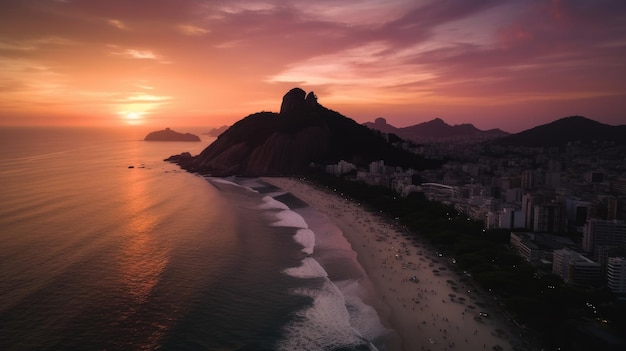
<point>554,311</point>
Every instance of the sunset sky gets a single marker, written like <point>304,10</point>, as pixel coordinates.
<point>494,63</point>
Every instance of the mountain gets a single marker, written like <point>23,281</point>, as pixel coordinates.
<point>566,130</point>
<point>304,132</point>
<point>436,130</point>
<point>170,135</point>
<point>215,132</point>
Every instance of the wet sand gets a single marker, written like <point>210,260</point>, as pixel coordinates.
<point>425,304</point>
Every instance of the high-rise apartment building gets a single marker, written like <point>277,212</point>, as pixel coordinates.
<point>598,234</point>
<point>549,218</point>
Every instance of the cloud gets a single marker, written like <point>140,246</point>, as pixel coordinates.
<point>407,52</point>
<point>189,29</point>
<point>141,55</point>
<point>372,65</point>
<point>146,98</point>
<point>34,43</point>
<point>144,86</point>
<point>16,46</point>
<point>117,24</point>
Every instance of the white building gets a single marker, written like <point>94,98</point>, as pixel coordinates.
<point>616,275</point>
<point>576,269</point>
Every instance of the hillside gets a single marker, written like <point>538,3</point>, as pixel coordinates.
<point>567,130</point>
<point>286,143</point>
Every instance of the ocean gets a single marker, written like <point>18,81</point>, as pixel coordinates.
<point>104,246</point>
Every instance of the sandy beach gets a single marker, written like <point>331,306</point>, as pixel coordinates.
<point>425,304</point>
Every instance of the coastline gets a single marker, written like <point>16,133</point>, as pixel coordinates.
<point>426,305</point>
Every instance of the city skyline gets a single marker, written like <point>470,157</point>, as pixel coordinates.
<point>511,65</point>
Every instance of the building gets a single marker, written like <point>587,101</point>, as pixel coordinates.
<point>616,275</point>
<point>529,202</point>
<point>523,243</point>
<point>538,248</point>
<point>549,218</point>
<point>528,180</point>
<point>577,212</point>
<point>618,186</point>
<point>598,233</point>
<point>340,168</point>
<point>377,167</point>
<point>510,218</point>
<point>576,269</point>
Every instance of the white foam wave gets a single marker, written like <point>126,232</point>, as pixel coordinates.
<point>306,238</point>
<point>309,268</point>
<point>288,218</point>
<point>269,203</point>
<point>363,317</point>
<point>324,325</point>
<point>228,182</point>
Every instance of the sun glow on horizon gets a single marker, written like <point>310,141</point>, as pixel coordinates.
<point>132,117</point>
<point>496,64</point>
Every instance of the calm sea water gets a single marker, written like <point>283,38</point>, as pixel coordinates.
<point>95,255</point>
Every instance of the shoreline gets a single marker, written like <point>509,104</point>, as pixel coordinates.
<point>417,296</point>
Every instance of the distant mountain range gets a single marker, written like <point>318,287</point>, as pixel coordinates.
<point>567,130</point>
<point>305,132</point>
<point>286,143</point>
<point>436,130</point>
<point>215,132</point>
<point>558,133</point>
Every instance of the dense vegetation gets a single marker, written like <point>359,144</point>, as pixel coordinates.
<point>539,302</point>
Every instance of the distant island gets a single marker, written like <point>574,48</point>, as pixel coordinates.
<point>170,135</point>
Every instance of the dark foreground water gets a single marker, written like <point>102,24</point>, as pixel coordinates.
<point>95,255</point>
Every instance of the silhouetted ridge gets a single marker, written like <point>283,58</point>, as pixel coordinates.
<point>268,143</point>
<point>436,130</point>
<point>566,130</point>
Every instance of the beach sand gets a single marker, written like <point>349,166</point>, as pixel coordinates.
<point>425,304</point>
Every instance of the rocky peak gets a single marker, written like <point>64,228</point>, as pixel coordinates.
<point>311,99</point>
<point>293,101</point>
<point>305,132</point>
<point>296,100</point>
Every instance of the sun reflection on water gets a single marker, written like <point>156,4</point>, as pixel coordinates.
<point>143,258</point>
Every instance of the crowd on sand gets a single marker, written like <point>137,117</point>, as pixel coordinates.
<point>420,296</point>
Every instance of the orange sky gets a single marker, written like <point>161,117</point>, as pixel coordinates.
<point>496,64</point>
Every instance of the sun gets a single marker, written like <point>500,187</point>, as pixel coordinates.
<point>132,117</point>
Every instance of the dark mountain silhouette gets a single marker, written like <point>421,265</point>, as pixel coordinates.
<point>170,135</point>
<point>268,143</point>
<point>566,130</point>
<point>436,130</point>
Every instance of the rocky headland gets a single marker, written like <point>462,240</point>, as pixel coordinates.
<point>288,142</point>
